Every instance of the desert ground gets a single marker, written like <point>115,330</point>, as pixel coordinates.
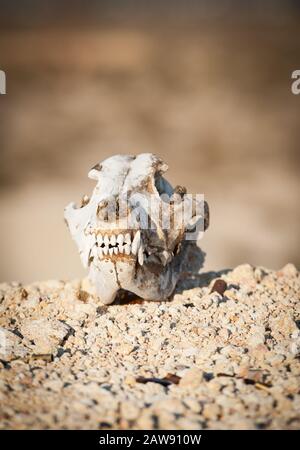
<point>206,359</point>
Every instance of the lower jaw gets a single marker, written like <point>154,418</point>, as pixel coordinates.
<point>110,275</point>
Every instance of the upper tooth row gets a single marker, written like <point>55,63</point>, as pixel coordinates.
<point>113,239</point>
<point>120,244</point>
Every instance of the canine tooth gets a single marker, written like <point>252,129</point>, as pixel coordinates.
<point>116,250</point>
<point>120,239</point>
<point>136,242</point>
<point>141,256</point>
<point>121,248</point>
<point>113,240</point>
<point>127,249</point>
<point>106,240</point>
<point>105,250</point>
<point>111,251</point>
<point>94,250</point>
<point>100,252</point>
<point>99,239</point>
<point>127,238</point>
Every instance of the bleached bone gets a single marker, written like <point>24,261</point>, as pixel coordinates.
<point>121,230</point>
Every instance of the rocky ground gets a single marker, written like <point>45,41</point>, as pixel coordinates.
<point>202,360</point>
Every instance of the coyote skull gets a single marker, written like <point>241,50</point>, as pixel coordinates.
<point>132,232</point>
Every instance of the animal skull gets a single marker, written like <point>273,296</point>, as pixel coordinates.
<point>123,233</point>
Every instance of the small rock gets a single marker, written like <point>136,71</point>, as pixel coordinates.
<point>126,348</point>
<point>243,274</point>
<point>211,411</point>
<point>255,375</point>
<point>11,345</point>
<point>129,411</point>
<point>46,334</point>
<point>219,286</point>
<point>192,378</point>
<point>130,380</point>
<point>256,336</point>
<point>289,270</point>
<point>193,404</point>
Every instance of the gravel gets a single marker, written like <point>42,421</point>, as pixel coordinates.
<point>212,359</point>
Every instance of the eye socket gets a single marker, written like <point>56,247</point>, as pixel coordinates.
<point>97,167</point>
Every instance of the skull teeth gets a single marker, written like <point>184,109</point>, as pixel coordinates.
<point>120,239</point>
<point>136,242</point>
<point>141,255</point>
<point>127,249</point>
<point>109,245</point>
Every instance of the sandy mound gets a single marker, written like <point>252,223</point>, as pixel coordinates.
<point>202,360</point>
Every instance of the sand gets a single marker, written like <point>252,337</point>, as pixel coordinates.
<point>213,360</point>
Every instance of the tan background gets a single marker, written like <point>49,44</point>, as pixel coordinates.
<point>208,90</point>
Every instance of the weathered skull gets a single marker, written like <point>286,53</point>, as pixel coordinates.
<point>132,232</point>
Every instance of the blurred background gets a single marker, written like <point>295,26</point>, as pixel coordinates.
<point>204,84</point>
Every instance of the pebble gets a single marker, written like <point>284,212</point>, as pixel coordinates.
<point>211,411</point>
<point>45,333</point>
<point>73,362</point>
<point>192,378</point>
